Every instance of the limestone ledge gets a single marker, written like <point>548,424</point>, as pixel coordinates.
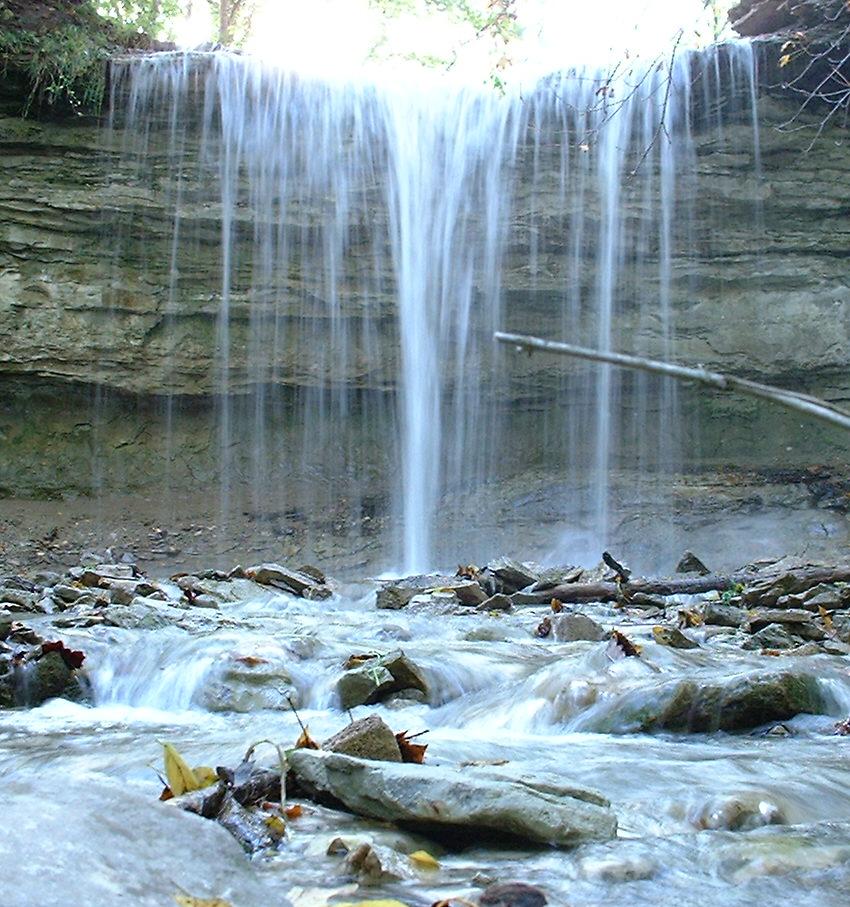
<point>86,294</point>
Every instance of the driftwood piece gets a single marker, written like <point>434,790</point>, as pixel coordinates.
<point>768,586</point>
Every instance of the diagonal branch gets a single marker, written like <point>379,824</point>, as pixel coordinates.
<point>811,406</point>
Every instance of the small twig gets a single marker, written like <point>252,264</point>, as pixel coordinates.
<point>295,713</point>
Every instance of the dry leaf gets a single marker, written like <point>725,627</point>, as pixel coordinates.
<point>251,660</point>
<point>556,606</point>
<point>544,628</point>
<point>181,778</point>
<point>453,902</point>
<point>423,860</point>
<point>689,618</point>
<point>306,742</point>
<point>354,661</point>
<point>410,752</point>
<point>622,647</point>
<point>72,657</point>
<point>276,826</point>
<point>205,776</point>
<point>842,728</point>
<point>826,617</point>
<point>293,811</point>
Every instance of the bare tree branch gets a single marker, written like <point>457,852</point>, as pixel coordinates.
<point>811,406</point>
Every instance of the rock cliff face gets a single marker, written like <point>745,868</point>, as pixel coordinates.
<point>105,334</point>
<point>86,293</point>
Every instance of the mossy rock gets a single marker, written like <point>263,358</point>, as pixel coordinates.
<point>736,705</point>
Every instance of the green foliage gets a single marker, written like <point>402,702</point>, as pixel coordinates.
<point>63,50</point>
<point>66,65</point>
<point>149,17</point>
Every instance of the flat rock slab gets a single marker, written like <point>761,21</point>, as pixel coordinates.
<point>434,799</point>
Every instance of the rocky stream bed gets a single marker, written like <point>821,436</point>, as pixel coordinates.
<point>592,738</point>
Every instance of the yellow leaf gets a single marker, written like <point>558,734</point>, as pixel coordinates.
<point>276,826</point>
<point>205,776</point>
<point>784,60</point>
<point>181,779</point>
<point>186,900</point>
<point>424,860</point>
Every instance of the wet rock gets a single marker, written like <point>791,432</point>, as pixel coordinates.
<point>805,650</point>
<point>393,598</point>
<point>721,615</point>
<point>101,575</point>
<point>314,572</point>
<point>575,628</point>
<point>12,599</point>
<point>441,801</point>
<point>739,703</point>
<point>469,592</point>
<point>205,601</point>
<point>690,563</point>
<point>674,638</point>
<point>47,677</point>
<point>246,685</point>
<point>144,614</point>
<point>773,636</point>
<point>799,622</point>
<point>512,894</point>
<point>618,869</point>
<point>738,814</point>
<point>397,595</point>
<point>766,593</point>
<point>556,576</point>
<point>373,864</point>
<point>367,738</point>
<point>67,593</point>
<point>378,678</point>
<point>508,576</point>
<point>279,577</point>
<point>497,602</point>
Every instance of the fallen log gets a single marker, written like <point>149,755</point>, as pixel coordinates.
<point>798,580</point>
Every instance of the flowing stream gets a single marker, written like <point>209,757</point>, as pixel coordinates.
<point>709,819</point>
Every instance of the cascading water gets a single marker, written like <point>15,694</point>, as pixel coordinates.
<point>367,240</point>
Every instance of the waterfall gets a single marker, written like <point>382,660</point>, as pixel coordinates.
<point>340,254</point>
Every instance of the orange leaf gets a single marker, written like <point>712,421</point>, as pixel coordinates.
<point>306,742</point>
<point>251,660</point>
<point>556,606</point>
<point>294,811</point>
<point>410,752</point>
<point>623,646</point>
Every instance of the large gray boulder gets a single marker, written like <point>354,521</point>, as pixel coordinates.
<point>438,800</point>
<point>735,703</point>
